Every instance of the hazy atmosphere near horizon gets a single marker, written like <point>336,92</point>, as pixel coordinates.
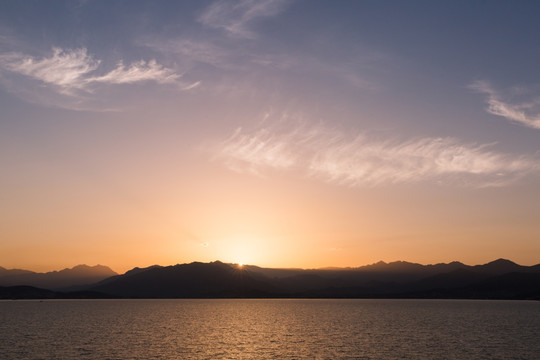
<point>279,133</point>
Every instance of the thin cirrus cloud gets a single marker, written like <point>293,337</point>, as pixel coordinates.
<point>234,17</point>
<point>198,51</point>
<point>232,61</point>
<point>358,161</point>
<point>64,68</point>
<point>254,152</point>
<point>236,20</point>
<point>524,113</point>
<point>70,71</point>
<point>139,71</point>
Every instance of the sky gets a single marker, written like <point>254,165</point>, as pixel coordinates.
<point>281,133</point>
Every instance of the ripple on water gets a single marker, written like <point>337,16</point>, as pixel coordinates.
<point>269,329</point>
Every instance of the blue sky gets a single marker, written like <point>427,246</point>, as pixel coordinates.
<point>231,118</point>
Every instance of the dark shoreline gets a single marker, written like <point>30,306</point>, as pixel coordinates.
<point>33,293</point>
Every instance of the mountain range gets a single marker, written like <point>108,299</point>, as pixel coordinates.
<point>78,275</point>
<point>499,279</point>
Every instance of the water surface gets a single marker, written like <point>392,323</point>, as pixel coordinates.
<point>269,329</point>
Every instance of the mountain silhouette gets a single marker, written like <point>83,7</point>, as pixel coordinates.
<point>453,279</point>
<point>78,275</point>
<point>499,266</point>
<point>192,280</point>
<point>6,272</point>
<point>396,279</point>
<point>499,279</point>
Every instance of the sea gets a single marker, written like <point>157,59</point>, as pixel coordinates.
<point>269,329</point>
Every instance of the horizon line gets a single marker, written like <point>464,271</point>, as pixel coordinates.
<point>382,262</point>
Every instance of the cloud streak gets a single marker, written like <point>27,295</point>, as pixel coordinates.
<point>235,16</point>
<point>524,113</point>
<point>71,71</point>
<point>235,60</point>
<point>335,157</point>
<point>65,69</point>
<point>137,72</point>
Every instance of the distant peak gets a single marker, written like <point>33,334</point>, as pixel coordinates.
<point>80,266</point>
<point>137,269</point>
<point>501,261</point>
<point>401,262</point>
<point>499,266</point>
<point>83,268</point>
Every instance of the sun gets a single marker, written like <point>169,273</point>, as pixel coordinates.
<point>240,265</point>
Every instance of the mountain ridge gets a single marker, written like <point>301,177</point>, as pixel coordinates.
<point>78,275</point>
<point>497,279</point>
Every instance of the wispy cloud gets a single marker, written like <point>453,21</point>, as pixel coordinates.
<point>235,17</point>
<point>70,69</point>
<point>73,73</point>
<point>233,64</point>
<point>360,160</point>
<point>374,162</point>
<point>235,61</point>
<point>254,152</point>
<point>198,51</point>
<point>525,113</point>
<point>64,68</point>
<point>137,72</point>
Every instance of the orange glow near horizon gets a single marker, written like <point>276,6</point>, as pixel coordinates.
<point>310,227</point>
